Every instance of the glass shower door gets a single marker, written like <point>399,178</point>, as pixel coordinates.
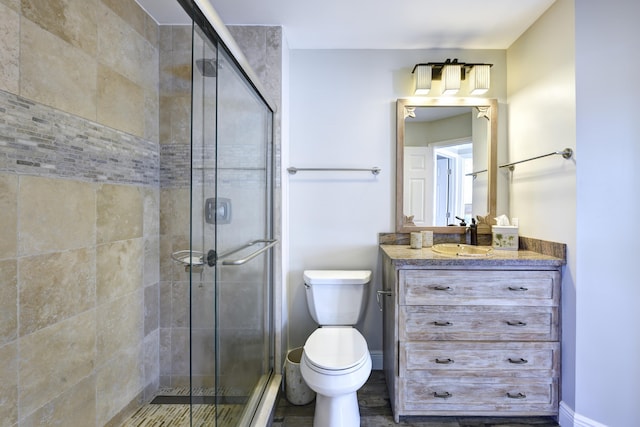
<point>231,318</point>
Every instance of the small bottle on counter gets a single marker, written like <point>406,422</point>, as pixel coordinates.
<point>473,231</point>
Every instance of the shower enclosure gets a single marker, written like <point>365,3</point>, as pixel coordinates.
<point>230,257</point>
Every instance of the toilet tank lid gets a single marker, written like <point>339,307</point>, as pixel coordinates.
<point>337,277</point>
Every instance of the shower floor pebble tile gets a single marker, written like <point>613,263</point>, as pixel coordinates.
<point>375,411</point>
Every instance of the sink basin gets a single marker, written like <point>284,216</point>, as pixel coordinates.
<point>459,249</point>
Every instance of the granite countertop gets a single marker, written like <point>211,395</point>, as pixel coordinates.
<point>403,255</point>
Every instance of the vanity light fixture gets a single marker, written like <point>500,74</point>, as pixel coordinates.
<point>451,73</point>
<point>451,77</point>
<point>479,79</point>
<point>422,79</point>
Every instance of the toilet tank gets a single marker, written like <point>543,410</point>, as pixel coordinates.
<point>336,297</point>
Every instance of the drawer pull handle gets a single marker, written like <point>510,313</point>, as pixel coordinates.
<point>444,361</point>
<point>516,396</point>
<point>518,289</point>
<point>442,323</point>
<point>520,361</point>
<point>444,395</point>
<point>516,323</point>
<point>442,288</point>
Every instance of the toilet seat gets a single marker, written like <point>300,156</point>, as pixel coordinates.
<point>336,350</point>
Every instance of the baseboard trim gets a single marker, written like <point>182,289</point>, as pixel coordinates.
<point>376,360</point>
<point>568,418</point>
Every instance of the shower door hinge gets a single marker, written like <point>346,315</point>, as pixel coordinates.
<point>212,258</point>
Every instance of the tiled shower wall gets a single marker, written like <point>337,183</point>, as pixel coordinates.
<point>175,176</point>
<point>82,213</point>
<point>79,203</point>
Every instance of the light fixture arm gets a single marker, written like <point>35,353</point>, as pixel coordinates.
<point>437,67</point>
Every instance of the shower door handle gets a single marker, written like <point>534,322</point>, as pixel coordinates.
<point>271,243</point>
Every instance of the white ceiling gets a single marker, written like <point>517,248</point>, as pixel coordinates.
<point>375,24</point>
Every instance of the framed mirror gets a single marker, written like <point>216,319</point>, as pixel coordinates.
<point>446,155</point>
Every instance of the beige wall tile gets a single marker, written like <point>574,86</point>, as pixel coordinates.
<point>151,211</point>
<point>165,356</point>
<point>181,42</point>
<point>152,238</point>
<point>8,301</point>
<point>174,212</point>
<point>170,269</point>
<point>54,215</point>
<point>9,384</point>
<point>164,118</point>
<point>8,213</point>
<point>151,119</point>
<point>55,359</point>
<point>151,308</point>
<point>76,407</point>
<point>118,269</point>
<point>124,50</point>
<point>13,4</point>
<point>46,284</point>
<point>119,213</point>
<point>130,11</point>
<point>118,383</point>
<point>151,30</point>
<point>180,352</point>
<point>151,274</point>
<point>180,305</point>
<point>180,110</point>
<point>9,49</point>
<point>120,102</point>
<point>120,325</point>
<point>74,21</point>
<point>55,73</point>
<point>151,363</point>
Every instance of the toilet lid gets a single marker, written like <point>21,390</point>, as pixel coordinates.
<point>336,348</point>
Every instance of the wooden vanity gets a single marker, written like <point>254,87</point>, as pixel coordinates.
<point>471,336</point>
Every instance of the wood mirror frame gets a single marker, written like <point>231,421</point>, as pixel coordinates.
<point>402,104</point>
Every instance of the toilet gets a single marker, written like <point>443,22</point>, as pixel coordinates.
<point>335,361</point>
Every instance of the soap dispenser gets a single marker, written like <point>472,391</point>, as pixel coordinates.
<point>473,230</point>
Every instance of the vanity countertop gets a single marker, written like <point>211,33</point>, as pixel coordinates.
<point>403,255</point>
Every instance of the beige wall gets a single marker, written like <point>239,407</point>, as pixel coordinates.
<point>78,257</point>
<point>542,119</point>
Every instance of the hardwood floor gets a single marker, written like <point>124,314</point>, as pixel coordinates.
<point>375,411</point>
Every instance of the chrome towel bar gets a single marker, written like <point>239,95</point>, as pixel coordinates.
<point>271,243</point>
<point>567,153</point>
<point>374,170</point>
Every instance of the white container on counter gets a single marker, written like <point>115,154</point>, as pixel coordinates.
<point>505,237</point>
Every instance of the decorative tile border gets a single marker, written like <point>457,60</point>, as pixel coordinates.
<point>39,140</point>
<point>175,165</point>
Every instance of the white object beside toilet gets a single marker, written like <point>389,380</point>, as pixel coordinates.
<point>336,361</point>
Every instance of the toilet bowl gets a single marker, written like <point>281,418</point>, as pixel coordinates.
<point>335,364</point>
<point>335,361</point>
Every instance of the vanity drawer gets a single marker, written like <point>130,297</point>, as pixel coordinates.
<point>480,358</point>
<point>513,287</point>
<point>478,323</point>
<point>439,396</point>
